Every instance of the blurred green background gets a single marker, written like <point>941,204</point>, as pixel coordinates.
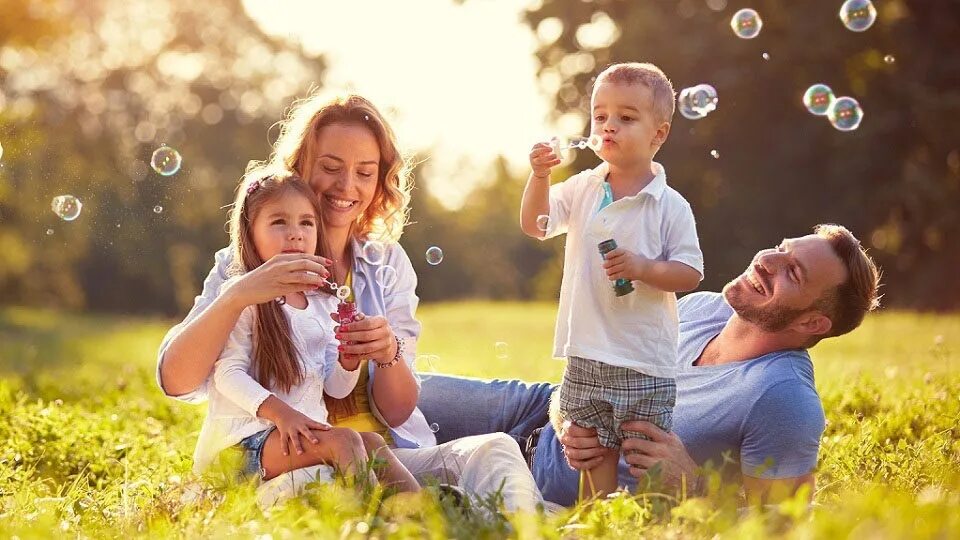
<point>89,89</point>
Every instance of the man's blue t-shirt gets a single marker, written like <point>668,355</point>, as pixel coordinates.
<point>764,414</point>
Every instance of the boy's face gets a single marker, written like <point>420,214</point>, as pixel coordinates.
<point>623,115</point>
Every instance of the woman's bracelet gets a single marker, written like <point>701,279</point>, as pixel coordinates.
<point>396,357</point>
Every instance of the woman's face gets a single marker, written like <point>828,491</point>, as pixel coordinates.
<point>345,172</point>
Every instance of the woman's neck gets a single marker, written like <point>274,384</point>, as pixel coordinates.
<point>339,242</point>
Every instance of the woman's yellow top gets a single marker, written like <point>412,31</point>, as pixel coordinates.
<point>364,420</point>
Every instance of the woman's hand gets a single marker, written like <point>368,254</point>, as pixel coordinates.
<point>291,424</point>
<point>365,338</point>
<point>282,274</point>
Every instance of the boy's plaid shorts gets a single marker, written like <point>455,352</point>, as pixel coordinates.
<point>598,395</point>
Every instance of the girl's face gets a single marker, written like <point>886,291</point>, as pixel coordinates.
<point>345,172</point>
<point>287,224</point>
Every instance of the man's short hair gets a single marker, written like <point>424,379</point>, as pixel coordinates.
<point>648,75</point>
<point>849,302</point>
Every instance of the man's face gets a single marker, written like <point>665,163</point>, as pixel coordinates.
<point>783,283</point>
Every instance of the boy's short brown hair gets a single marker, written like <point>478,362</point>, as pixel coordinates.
<point>648,75</point>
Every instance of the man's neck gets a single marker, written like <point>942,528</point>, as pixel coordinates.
<point>630,179</point>
<point>739,341</point>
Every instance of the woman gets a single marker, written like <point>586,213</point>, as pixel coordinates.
<point>348,154</point>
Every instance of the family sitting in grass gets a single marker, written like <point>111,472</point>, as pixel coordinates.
<point>655,390</point>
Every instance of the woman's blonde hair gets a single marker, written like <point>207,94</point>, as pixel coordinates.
<point>275,359</point>
<point>295,150</point>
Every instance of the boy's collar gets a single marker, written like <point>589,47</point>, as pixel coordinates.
<point>654,188</point>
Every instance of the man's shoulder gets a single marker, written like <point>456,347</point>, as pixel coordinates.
<point>703,305</point>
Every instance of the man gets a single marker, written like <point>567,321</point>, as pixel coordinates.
<point>745,387</point>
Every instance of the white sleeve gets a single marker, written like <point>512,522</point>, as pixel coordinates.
<point>211,289</point>
<point>563,195</point>
<point>339,382</point>
<point>231,374</point>
<point>680,238</point>
<point>401,301</point>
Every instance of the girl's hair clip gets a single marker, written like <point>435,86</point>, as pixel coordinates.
<point>255,185</point>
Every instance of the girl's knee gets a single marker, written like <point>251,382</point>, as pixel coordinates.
<point>372,441</point>
<point>341,442</point>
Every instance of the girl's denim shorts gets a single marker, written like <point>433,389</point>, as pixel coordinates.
<point>252,448</point>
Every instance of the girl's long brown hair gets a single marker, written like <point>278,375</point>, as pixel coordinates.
<point>275,358</point>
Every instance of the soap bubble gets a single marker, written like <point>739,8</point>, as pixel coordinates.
<point>1,151</point>
<point>715,154</point>
<point>343,292</point>
<point>166,161</point>
<point>434,255</point>
<point>889,59</point>
<point>426,362</point>
<point>845,114</point>
<point>66,206</point>
<point>818,99</point>
<point>373,251</point>
<point>502,350</point>
<point>766,56</point>
<point>858,15</point>
<point>49,232</point>
<point>386,276</point>
<point>157,209</point>
<point>543,222</point>
<point>434,427</point>
<point>697,101</point>
<point>746,23</point>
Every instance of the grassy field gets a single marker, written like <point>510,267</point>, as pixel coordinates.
<point>90,448</point>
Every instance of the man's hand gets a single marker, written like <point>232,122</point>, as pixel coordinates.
<point>581,446</point>
<point>663,448</point>
<point>621,263</point>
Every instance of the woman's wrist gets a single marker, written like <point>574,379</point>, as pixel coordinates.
<point>397,349</point>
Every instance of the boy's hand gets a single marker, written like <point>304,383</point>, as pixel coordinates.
<point>542,159</point>
<point>620,263</point>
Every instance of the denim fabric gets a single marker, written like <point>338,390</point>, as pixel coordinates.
<point>252,448</point>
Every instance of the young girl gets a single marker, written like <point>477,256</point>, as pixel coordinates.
<point>268,384</point>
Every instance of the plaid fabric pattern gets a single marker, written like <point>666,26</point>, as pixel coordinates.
<point>598,395</point>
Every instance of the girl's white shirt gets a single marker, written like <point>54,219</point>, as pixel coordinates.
<point>235,396</point>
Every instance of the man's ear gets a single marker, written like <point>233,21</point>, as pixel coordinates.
<point>812,323</point>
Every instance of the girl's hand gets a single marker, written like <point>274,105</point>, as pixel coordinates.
<point>620,263</point>
<point>365,338</point>
<point>291,424</point>
<point>283,274</point>
<point>542,159</point>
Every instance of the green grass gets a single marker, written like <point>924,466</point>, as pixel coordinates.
<point>89,447</point>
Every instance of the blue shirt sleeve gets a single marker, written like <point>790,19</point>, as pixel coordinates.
<point>781,434</point>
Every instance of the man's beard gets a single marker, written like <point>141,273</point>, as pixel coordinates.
<point>769,319</point>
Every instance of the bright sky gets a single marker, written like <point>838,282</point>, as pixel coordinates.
<point>458,81</point>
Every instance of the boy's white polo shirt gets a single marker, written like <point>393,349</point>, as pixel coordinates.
<point>638,330</point>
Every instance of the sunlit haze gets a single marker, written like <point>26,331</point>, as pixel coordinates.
<point>457,81</point>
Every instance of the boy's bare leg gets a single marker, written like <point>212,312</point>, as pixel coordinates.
<point>602,479</point>
<point>395,474</point>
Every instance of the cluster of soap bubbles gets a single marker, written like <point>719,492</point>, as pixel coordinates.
<point>593,142</point>
<point>844,113</point>
<point>165,160</point>
<point>698,101</point>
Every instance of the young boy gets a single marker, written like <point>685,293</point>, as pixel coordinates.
<point>621,347</point>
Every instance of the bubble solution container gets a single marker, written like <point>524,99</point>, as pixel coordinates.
<point>621,286</point>
<point>346,311</point>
